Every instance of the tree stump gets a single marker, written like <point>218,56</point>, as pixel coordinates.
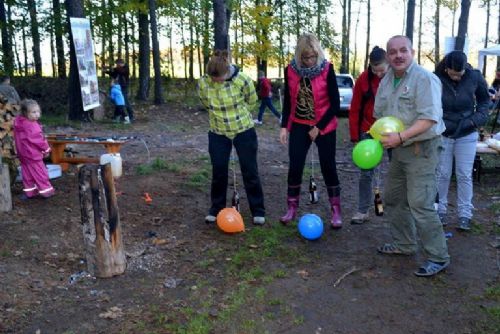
<point>101,221</point>
<point>5,195</point>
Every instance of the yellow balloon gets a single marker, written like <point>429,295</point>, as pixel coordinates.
<point>385,125</point>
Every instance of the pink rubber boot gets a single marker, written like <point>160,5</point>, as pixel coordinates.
<point>293,203</point>
<point>336,221</point>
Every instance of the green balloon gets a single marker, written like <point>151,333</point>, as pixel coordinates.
<point>367,154</point>
<point>385,125</point>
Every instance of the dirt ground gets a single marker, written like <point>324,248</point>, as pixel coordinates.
<point>184,276</point>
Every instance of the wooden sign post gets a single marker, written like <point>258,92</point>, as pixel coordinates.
<point>102,233</point>
<point>5,195</point>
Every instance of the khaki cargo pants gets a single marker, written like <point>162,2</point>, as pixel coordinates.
<point>410,193</point>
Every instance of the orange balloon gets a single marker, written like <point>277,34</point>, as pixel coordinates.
<point>229,220</point>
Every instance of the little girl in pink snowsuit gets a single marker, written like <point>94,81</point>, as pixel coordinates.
<point>32,147</point>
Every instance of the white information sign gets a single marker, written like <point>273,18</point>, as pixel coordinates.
<point>84,49</point>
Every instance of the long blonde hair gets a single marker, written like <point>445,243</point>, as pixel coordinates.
<point>219,64</point>
<point>308,42</point>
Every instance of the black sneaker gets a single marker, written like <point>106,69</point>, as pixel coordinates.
<point>463,224</point>
<point>442,218</point>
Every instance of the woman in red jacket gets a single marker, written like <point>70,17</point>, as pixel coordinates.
<point>309,110</point>
<point>361,119</point>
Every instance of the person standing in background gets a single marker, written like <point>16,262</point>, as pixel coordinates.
<point>7,91</point>
<point>264,90</point>
<point>122,74</point>
<point>360,121</point>
<point>465,102</point>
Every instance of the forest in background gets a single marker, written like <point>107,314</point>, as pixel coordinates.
<point>154,36</point>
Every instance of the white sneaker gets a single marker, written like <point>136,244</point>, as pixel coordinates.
<point>209,219</point>
<point>256,121</point>
<point>127,120</point>
<point>360,218</point>
<point>259,220</point>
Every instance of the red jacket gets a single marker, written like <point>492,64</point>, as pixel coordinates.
<point>264,88</point>
<point>320,94</point>
<point>360,89</point>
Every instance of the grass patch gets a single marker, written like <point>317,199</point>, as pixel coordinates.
<point>493,293</point>
<point>157,165</point>
<point>198,323</point>
<point>477,229</point>
<point>200,179</point>
<point>495,207</point>
<point>60,120</point>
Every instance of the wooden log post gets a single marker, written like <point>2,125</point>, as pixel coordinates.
<point>102,233</point>
<point>5,194</point>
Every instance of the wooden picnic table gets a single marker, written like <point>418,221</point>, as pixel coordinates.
<point>58,144</point>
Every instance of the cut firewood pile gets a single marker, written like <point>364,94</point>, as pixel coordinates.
<point>7,148</point>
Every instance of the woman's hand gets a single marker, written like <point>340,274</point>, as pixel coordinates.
<point>284,136</point>
<point>313,133</point>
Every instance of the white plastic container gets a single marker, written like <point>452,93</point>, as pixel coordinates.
<point>116,163</point>
<point>54,171</point>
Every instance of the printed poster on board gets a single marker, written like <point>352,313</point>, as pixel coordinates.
<point>84,49</point>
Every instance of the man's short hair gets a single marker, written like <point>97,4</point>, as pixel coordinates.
<point>408,41</point>
<point>120,61</point>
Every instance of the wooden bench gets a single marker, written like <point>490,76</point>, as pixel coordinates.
<point>58,144</point>
<point>477,168</point>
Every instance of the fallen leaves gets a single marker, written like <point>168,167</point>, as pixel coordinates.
<point>112,313</point>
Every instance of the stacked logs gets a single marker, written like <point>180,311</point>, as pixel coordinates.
<point>7,148</point>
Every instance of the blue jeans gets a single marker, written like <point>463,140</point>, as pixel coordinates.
<point>463,150</point>
<point>365,193</point>
<point>267,102</point>
<point>219,148</point>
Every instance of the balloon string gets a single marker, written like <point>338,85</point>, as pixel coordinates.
<point>233,167</point>
<point>312,161</point>
<point>377,177</point>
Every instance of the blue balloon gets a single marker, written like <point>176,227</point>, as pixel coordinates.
<point>310,226</point>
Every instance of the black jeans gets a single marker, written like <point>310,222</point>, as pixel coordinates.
<point>219,148</point>
<point>127,103</point>
<point>299,143</point>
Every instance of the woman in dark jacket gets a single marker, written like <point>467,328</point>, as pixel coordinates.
<point>465,102</point>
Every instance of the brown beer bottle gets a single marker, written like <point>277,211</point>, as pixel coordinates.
<point>377,201</point>
<point>313,191</point>
<point>235,201</point>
